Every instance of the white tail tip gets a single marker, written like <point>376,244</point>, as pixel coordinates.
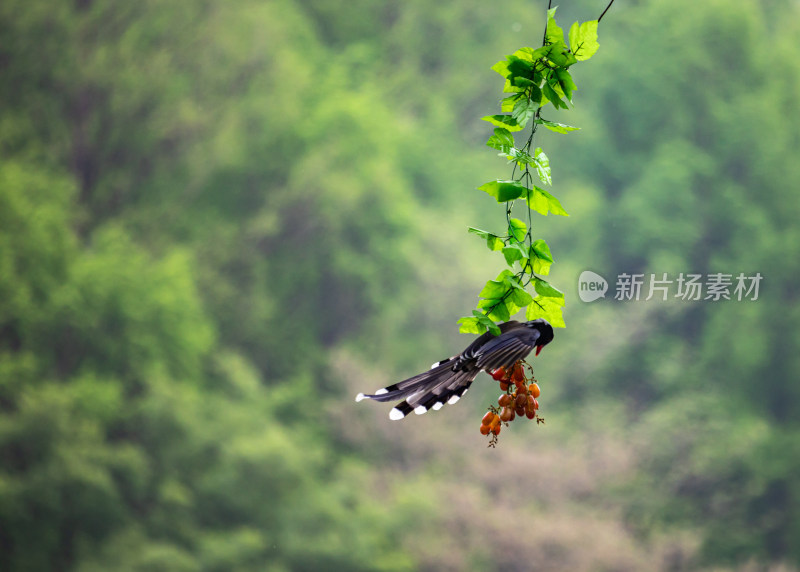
<point>360,397</point>
<point>396,414</point>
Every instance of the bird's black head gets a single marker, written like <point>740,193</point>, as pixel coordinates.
<point>545,332</point>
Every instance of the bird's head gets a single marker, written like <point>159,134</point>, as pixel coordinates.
<point>545,332</point>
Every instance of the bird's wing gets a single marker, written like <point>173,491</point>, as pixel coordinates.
<point>473,349</point>
<point>507,349</point>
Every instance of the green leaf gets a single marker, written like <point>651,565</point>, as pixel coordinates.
<point>524,110</point>
<point>566,83</point>
<point>504,121</point>
<point>521,157</point>
<point>511,88</point>
<point>557,127</point>
<point>503,191</point>
<point>513,253</point>
<point>547,308</point>
<point>486,322</point>
<point>543,202</point>
<point>559,54</point>
<point>504,275</point>
<point>531,55</point>
<point>507,105</point>
<point>540,256</point>
<point>502,140</point>
<point>542,166</point>
<point>493,289</point>
<point>516,228</point>
<point>520,298</point>
<point>544,288</point>
<point>499,310</point>
<point>501,67</point>
<point>470,325</point>
<point>493,242</point>
<point>583,40</point>
<point>554,33</point>
<point>553,97</point>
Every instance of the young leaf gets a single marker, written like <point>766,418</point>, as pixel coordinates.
<point>520,298</point>
<point>486,322</point>
<point>554,33</point>
<point>531,55</point>
<point>553,97</point>
<point>518,67</point>
<point>493,289</point>
<point>516,228</point>
<point>513,253</point>
<point>507,105</point>
<point>502,140</point>
<point>493,242</point>
<point>497,308</point>
<point>509,87</point>
<point>501,67</point>
<point>542,166</point>
<point>524,109</point>
<point>544,288</point>
<point>547,308</point>
<point>504,121</point>
<point>566,83</point>
<point>543,202</point>
<point>503,191</point>
<point>583,40</point>
<point>559,54</point>
<point>470,325</point>
<point>557,127</point>
<point>540,256</point>
<point>521,157</point>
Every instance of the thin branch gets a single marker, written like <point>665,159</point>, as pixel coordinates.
<point>549,2</point>
<point>604,11</point>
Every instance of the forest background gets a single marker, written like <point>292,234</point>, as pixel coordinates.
<point>219,221</point>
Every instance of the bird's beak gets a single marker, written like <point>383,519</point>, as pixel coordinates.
<point>538,349</point>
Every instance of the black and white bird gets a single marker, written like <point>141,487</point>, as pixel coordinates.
<point>448,380</point>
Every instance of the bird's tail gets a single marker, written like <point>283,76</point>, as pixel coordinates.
<point>429,390</point>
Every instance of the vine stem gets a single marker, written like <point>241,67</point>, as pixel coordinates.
<point>604,11</point>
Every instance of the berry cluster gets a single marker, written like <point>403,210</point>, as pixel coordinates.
<point>519,400</point>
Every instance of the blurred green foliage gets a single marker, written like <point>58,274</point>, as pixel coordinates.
<point>219,220</point>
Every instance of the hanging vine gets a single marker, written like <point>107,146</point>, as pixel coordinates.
<point>534,78</point>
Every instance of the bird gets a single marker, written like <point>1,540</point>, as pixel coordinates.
<point>448,380</point>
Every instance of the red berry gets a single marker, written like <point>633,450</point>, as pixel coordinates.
<point>521,400</point>
<point>506,414</point>
<point>496,429</point>
<point>529,414</point>
<point>499,373</point>
<point>487,419</point>
<point>536,404</point>
<point>504,386</point>
<point>485,429</point>
<point>534,389</point>
<point>504,400</point>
